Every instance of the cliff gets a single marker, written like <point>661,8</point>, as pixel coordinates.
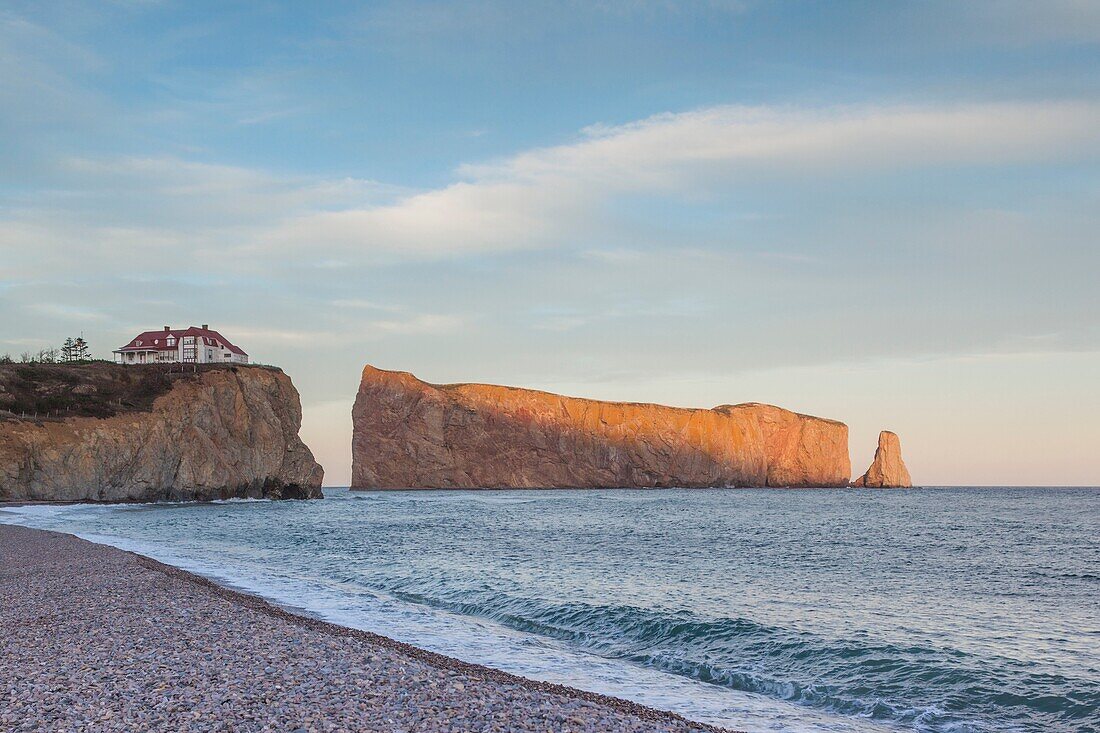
<point>218,433</point>
<point>887,470</point>
<point>411,434</point>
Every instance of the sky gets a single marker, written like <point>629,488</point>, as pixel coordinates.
<point>882,213</point>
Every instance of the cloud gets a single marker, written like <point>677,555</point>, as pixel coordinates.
<point>465,217</point>
<point>161,215</point>
<point>63,312</point>
<point>552,196</point>
<point>401,322</point>
<point>207,194</point>
<point>422,323</point>
<point>362,304</point>
<point>276,336</point>
<point>172,216</point>
<point>36,84</point>
<point>666,149</point>
<point>1020,22</point>
<point>613,255</point>
<point>499,19</point>
<point>404,325</point>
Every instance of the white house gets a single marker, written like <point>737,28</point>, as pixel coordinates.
<point>191,345</point>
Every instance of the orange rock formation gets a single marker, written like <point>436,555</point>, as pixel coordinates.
<point>411,434</point>
<point>887,469</point>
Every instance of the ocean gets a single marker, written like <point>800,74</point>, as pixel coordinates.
<point>943,609</point>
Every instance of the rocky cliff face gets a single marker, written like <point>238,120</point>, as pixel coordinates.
<point>887,469</point>
<point>411,434</point>
<point>218,434</point>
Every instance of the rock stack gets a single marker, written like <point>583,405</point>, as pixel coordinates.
<point>887,470</point>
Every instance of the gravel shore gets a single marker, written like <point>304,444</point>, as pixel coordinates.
<point>96,639</point>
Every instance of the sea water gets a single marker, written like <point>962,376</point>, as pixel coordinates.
<point>949,609</point>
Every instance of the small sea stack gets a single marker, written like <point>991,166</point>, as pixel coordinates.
<point>887,470</point>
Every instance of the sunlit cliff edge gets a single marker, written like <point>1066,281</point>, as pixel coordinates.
<point>411,434</point>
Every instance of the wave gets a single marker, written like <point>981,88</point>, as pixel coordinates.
<point>53,510</point>
<point>876,681</point>
<point>789,622</point>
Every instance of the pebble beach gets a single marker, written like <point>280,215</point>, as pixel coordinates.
<point>98,639</point>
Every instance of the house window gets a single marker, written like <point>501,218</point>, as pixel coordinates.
<point>171,341</point>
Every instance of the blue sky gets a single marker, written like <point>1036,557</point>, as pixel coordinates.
<point>886,213</point>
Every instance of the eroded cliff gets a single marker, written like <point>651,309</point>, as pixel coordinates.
<point>411,434</point>
<point>887,470</point>
<point>219,433</point>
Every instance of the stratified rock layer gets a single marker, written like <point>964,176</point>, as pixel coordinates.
<point>220,434</point>
<point>887,470</point>
<point>411,434</point>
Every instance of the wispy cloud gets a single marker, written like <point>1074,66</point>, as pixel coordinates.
<point>346,331</point>
<point>1020,22</point>
<point>64,312</point>
<point>550,196</point>
<point>209,194</point>
<point>399,321</point>
<point>169,215</point>
<point>276,336</point>
<point>362,304</point>
<point>418,324</point>
<point>36,79</point>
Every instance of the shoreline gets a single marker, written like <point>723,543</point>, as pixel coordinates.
<point>38,556</point>
<point>13,503</point>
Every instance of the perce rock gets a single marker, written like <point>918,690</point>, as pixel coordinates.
<point>887,470</point>
<point>411,434</point>
<point>214,434</point>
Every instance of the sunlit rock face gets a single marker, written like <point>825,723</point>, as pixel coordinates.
<point>217,434</point>
<point>411,434</point>
<point>887,470</point>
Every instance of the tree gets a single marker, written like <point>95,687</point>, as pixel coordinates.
<point>68,350</point>
<point>81,352</point>
<point>47,356</point>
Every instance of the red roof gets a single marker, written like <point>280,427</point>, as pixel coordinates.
<point>158,340</point>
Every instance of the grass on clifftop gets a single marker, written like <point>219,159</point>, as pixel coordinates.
<point>38,391</point>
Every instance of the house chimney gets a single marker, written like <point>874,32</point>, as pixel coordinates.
<point>167,329</point>
<point>205,327</point>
